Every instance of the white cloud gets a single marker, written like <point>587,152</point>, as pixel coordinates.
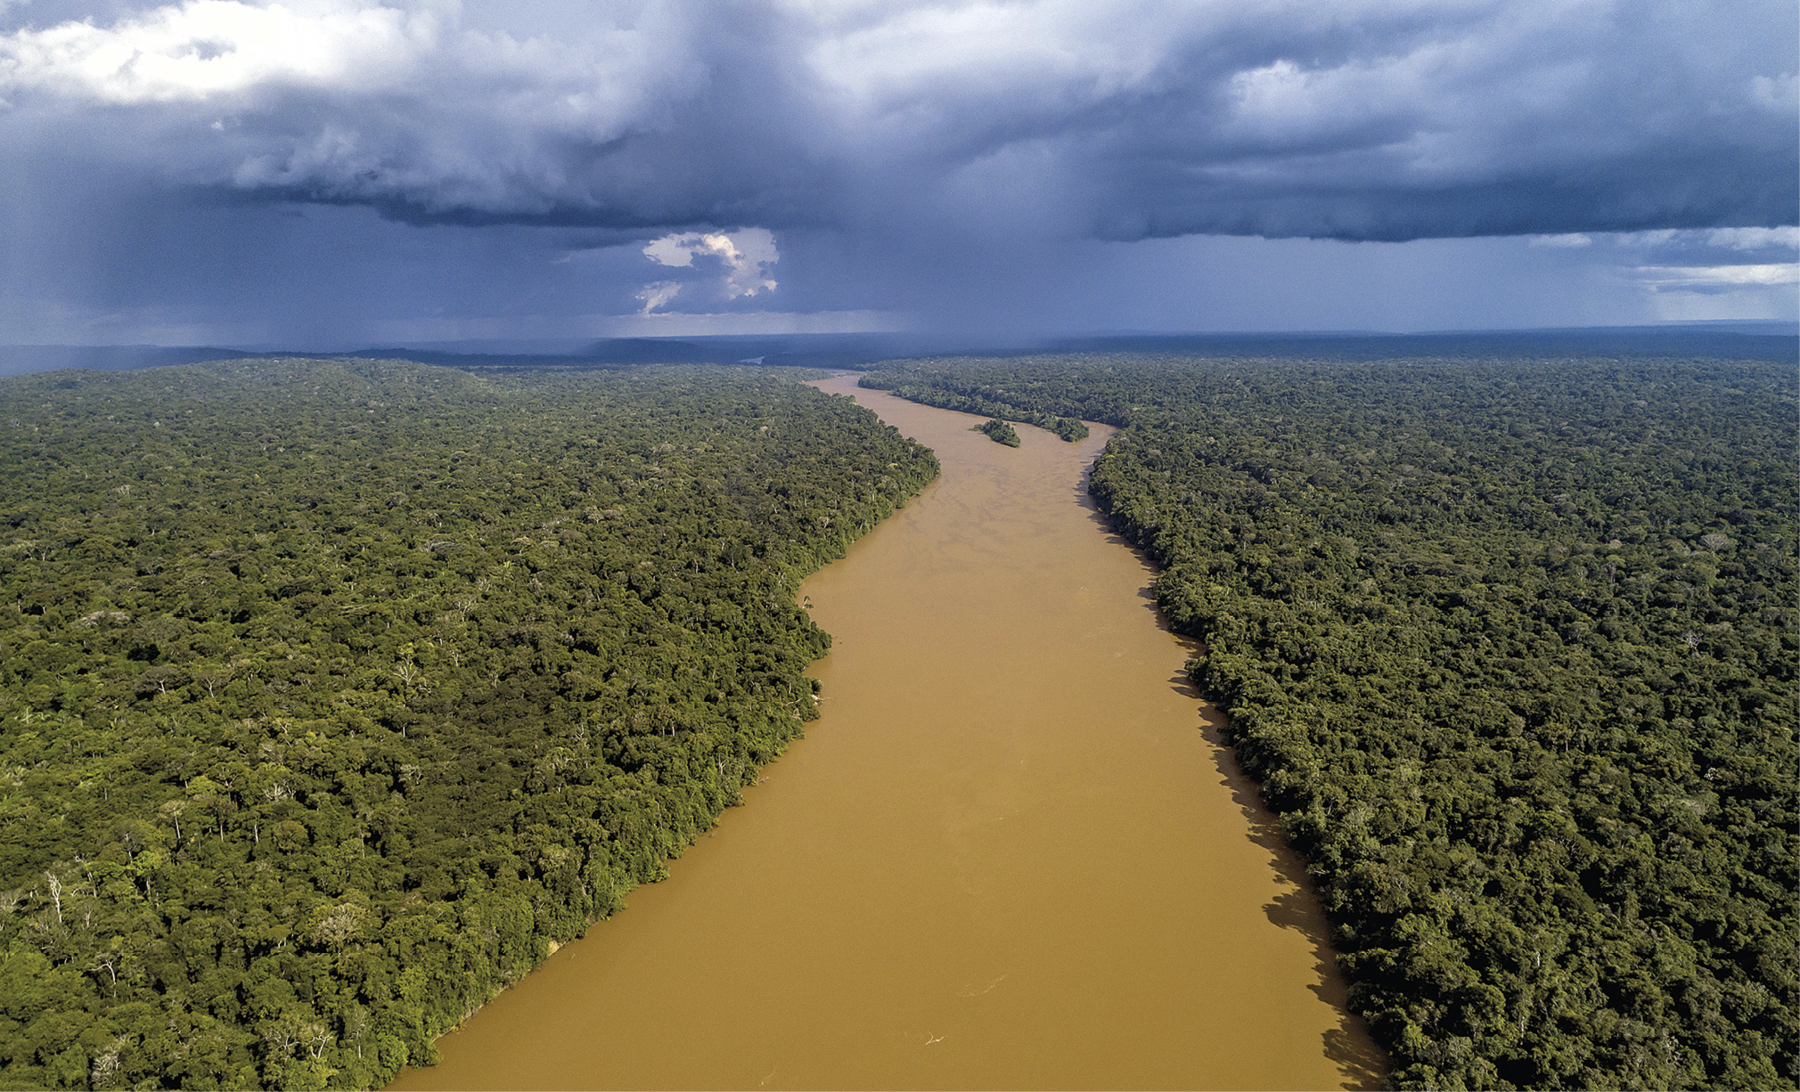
<point>1777,94</point>
<point>1735,238</point>
<point>1754,238</point>
<point>1660,277</point>
<point>672,250</point>
<point>744,253</point>
<point>657,293</point>
<point>357,100</point>
<point>216,49</point>
<point>890,55</point>
<point>1570,241</point>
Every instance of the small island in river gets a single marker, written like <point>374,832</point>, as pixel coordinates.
<point>999,431</point>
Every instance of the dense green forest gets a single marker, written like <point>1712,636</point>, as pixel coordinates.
<point>999,431</point>
<point>950,392</point>
<point>332,694</point>
<point>1511,647</point>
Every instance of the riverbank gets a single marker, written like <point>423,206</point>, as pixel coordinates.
<point>1011,853</point>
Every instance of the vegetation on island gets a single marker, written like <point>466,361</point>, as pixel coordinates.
<point>1511,646</point>
<point>998,431</point>
<point>946,391</point>
<point>333,693</point>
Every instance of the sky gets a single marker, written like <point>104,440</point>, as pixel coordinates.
<point>333,174</point>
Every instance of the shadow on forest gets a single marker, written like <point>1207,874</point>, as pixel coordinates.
<point>1350,1045</point>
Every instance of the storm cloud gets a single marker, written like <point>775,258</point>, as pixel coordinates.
<point>335,172</point>
<point>1063,118</point>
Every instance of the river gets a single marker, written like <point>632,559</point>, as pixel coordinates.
<point>1012,853</point>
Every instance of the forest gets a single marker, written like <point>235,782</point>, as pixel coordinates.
<point>977,399</point>
<point>478,655</point>
<point>1001,432</point>
<point>1511,647</point>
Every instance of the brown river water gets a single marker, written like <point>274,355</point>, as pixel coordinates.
<point>1012,853</point>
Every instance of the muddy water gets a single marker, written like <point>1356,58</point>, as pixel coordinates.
<point>1011,854</point>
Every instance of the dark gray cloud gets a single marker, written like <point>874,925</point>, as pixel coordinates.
<point>338,171</point>
<point>1390,120</point>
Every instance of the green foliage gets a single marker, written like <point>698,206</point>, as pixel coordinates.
<point>1511,647</point>
<point>334,693</point>
<point>943,388</point>
<point>998,431</point>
